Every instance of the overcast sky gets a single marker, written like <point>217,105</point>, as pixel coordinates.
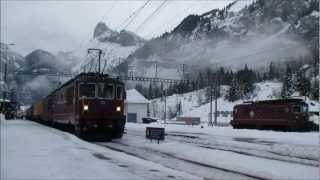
<point>63,25</point>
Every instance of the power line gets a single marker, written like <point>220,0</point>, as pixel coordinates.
<point>133,15</point>
<point>151,15</point>
<point>173,20</point>
<point>85,41</point>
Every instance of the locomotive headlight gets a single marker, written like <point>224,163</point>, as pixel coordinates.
<point>85,107</point>
<point>118,109</point>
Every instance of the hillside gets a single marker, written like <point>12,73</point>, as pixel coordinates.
<point>194,103</point>
<point>13,60</point>
<point>255,32</point>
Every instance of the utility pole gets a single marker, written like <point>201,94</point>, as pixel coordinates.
<point>164,94</point>
<point>165,106</point>
<point>210,114</point>
<point>215,106</point>
<point>99,57</point>
<point>156,74</point>
<point>5,73</point>
<point>183,71</point>
<point>217,84</point>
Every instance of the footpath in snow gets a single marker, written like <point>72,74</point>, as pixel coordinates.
<point>33,151</point>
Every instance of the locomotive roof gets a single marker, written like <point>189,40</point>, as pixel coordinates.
<point>88,77</point>
<point>276,101</point>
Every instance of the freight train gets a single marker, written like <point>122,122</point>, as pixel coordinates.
<point>281,114</point>
<point>89,104</point>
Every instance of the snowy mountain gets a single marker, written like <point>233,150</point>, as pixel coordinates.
<point>115,45</point>
<point>40,60</point>
<point>244,32</point>
<point>13,61</point>
<point>125,38</point>
<point>12,58</point>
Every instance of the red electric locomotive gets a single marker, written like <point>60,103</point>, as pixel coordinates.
<point>285,114</point>
<point>90,103</point>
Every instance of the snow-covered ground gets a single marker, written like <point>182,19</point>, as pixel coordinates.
<point>33,151</point>
<point>242,153</point>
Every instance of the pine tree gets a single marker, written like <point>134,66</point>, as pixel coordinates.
<point>200,81</point>
<point>246,79</point>
<point>233,93</point>
<point>150,91</point>
<point>315,89</point>
<point>272,72</point>
<point>302,84</point>
<point>288,86</point>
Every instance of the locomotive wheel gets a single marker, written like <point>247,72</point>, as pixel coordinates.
<point>117,134</point>
<point>119,129</point>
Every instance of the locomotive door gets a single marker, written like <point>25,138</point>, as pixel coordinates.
<point>75,102</point>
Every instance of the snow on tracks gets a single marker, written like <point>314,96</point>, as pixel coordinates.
<point>258,163</point>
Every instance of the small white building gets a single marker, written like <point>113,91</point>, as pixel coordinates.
<point>136,106</point>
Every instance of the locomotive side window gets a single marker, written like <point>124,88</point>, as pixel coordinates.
<point>119,92</point>
<point>105,90</point>
<point>297,109</point>
<point>87,90</point>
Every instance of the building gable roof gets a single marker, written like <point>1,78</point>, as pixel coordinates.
<point>133,96</point>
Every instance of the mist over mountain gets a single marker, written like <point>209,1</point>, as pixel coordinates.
<point>9,56</point>
<point>244,32</point>
<point>11,61</point>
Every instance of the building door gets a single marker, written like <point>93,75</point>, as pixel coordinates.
<point>132,117</point>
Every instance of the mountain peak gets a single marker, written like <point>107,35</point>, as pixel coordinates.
<point>100,29</point>
<point>125,38</point>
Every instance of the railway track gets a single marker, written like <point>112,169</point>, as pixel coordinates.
<point>198,167</point>
<point>204,170</point>
<point>190,139</point>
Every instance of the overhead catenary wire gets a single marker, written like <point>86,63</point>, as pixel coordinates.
<point>133,16</point>
<point>150,16</point>
<point>87,40</point>
<point>172,22</point>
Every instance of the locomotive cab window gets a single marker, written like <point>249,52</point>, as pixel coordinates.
<point>87,90</point>
<point>119,92</point>
<point>305,108</point>
<point>301,108</point>
<point>105,90</point>
<point>296,109</point>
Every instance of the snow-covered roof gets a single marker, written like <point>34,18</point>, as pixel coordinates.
<point>133,96</point>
